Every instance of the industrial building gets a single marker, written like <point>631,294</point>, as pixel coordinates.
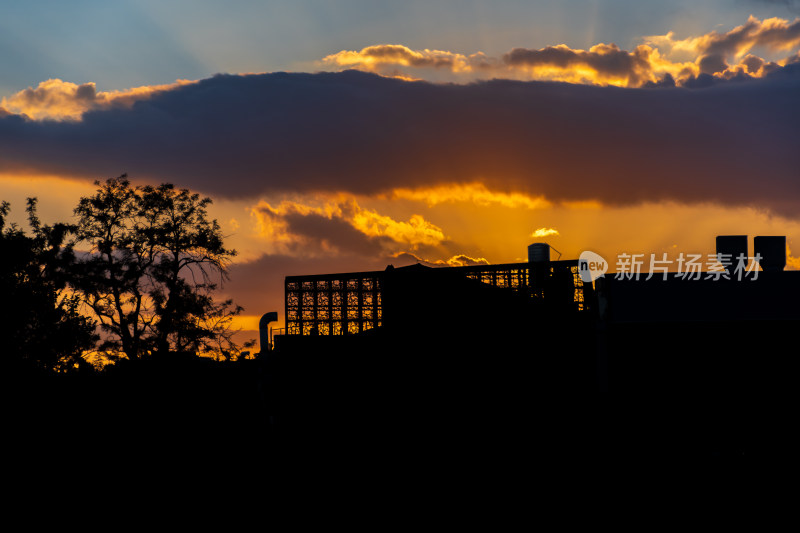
<point>706,357</point>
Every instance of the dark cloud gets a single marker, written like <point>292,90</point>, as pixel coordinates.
<point>666,81</point>
<point>716,48</point>
<point>712,64</point>
<point>605,60</point>
<point>321,232</point>
<point>772,33</point>
<point>344,227</point>
<point>753,63</point>
<point>241,136</point>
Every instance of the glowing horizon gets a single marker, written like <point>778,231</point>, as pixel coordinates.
<point>652,141</point>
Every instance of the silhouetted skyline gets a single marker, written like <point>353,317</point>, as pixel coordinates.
<point>432,132</point>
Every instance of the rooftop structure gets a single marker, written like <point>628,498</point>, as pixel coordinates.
<point>542,310</point>
<point>485,354</point>
<point>356,302</point>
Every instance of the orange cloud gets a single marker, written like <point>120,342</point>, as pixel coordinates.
<point>602,64</point>
<point>476,193</point>
<point>792,262</point>
<point>416,231</point>
<point>544,232</point>
<point>339,224</point>
<point>454,261</point>
<point>372,58</point>
<point>55,99</point>
<point>774,33</point>
<point>712,51</point>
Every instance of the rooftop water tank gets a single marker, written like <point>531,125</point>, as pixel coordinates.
<point>538,252</point>
<point>772,250</point>
<point>732,246</point>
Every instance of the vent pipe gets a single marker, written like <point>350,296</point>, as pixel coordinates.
<point>265,343</point>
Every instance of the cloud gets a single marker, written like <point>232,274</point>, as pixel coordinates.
<point>373,57</point>
<point>340,226</point>
<point>465,260</point>
<point>321,233</point>
<point>237,136</point>
<point>792,263</point>
<point>544,232</point>
<point>601,64</point>
<point>476,193</point>
<point>454,261</point>
<point>714,51</point>
<point>417,231</point>
<point>55,99</point>
<point>656,228</point>
<point>653,63</point>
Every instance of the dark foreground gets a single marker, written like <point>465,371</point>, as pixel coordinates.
<point>448,416</point>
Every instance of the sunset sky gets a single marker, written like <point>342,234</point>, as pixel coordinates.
<point>348,135</point>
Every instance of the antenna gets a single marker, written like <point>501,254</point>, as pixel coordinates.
<point>559,253</point>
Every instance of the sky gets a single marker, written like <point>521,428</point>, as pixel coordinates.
<point>338,136</point>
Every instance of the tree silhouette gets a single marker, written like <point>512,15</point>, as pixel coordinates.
<point>151,270</point>
<point>40,325</point>
<point>189,253</point>
<point>110,277</point>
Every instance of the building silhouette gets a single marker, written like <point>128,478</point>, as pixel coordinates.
<point>700,365</point>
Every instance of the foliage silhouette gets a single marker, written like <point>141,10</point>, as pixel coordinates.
<point>154,261</point>
<point>40,322</point>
